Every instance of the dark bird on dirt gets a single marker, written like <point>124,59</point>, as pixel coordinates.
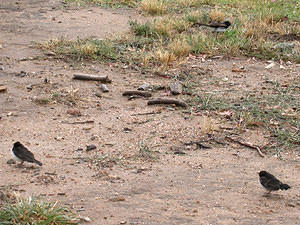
<point>21,154</point>
<point>216,27</point>
<point>271,183</point>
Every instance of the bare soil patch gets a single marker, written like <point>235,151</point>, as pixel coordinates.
<point>133,176</point>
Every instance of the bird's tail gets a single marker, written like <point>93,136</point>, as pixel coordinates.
<point>38,162</point>
<point>284,186</point>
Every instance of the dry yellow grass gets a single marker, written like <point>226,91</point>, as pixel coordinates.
<point>163,56</point>
<point>180,47</point>
<point>153,7</point>
<point>217,15</point>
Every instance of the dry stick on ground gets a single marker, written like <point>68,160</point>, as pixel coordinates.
<point>167,101</point>
<point>146,113</point>
<point>247,145</point>
<point>79,122</point>
<point>140,93</point>
<point>80,76</point>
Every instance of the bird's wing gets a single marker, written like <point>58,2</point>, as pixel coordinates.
<point>24,154</point>
<point>273,183</point>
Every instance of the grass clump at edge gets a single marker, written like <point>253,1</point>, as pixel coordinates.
<point>34,212</point>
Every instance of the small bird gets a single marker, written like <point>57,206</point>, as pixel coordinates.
<point>216,27</point>
<point>271,183</point>
<point>21,154</point>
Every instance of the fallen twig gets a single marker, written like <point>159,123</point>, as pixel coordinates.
<point>80,76</point>
<point>167,101</point>
<point>79,122</point>
<point>246,145</point>
<point>140,93</point>
<point>146,113</point>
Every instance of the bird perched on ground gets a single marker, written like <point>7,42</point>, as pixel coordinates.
<point>216,27</point>
<point>21,154</point>
<point>271,183</point>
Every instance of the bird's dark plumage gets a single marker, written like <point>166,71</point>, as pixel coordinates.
<point>270,182</point>
<point>217,27</point>
<point>21,153</point>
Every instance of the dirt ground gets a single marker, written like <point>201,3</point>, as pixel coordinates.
<point>204,186</point>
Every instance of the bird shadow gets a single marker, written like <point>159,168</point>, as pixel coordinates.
<point>26,167</point>
<point>272,196</point>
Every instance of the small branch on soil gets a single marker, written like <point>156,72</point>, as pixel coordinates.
<point>48,173</point>
<point>79,122</point>
<point>246,145</point>
<point>80,76</point>
<point>140,93</point>
<point>146,113</point>
<point>167,101</point>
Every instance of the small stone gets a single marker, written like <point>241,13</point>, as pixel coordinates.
<point>176,88</point>
<point>104,88</point>
<point>272,64</point>
<point>98,95</point>
<point>21,74</point>
<point>291,204</point>
<point>74,112</point>
<point>1,68</point>
<point>79,150</point>
<point>123,222</point>
<point>85,218</point>
<point>59,138</point>
<point>144,87</point>
<point>10,162</point>
<point>90,147</point>
<point>127,130</point>
<point>29,87</point>
<point>3,88</point>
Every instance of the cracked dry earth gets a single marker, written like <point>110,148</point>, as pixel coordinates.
<point>133,176</point>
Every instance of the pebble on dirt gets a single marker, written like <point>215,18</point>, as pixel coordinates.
<point>21,74</point>
<point>176,88</point>
<point>90,147</point>
<point>11,161</point>
<point>104,88</point>
<point>144,87</point>
<point>74,112</point>
<point>3,88</point>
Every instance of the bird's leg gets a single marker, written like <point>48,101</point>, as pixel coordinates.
<point>21,164</point>
<point>267,194</point>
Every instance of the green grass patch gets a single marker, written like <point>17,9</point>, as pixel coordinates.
<point>264,29</point>
<point>82,49</point>
<point>34,212</point>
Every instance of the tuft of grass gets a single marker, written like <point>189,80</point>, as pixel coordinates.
<point>107,160</point>
<point>42,100</point>
<point>82,49</point>
<point>34,212</point>
<point>145,152</point>
<point>154,7</point>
